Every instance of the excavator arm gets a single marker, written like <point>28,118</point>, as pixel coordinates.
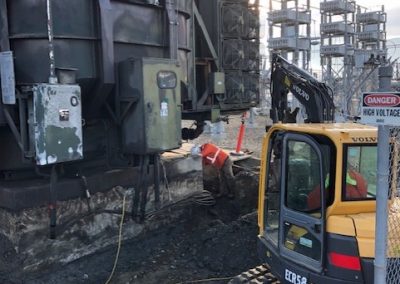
<point>315,96</point>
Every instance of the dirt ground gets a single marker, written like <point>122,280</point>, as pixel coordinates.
<point>207,245</point>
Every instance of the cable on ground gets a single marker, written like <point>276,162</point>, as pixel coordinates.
<point>119,240</point>
<point>202,198</point>
<point>166,180</point>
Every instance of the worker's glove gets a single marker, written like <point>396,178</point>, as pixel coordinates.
<point>195,151</point>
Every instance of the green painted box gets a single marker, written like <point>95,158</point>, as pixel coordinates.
<point>150,101</point>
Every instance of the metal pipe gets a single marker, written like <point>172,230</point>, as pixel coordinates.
<point>136,196</point>
<point>170,6</point>
<point>157,180</point>
<point>31,129</point>
<point>107,79</point>
<point>192,86</point>
<point>53,202</point>
<point>144,189</point>
<point>4,38</point>
<point>382,187</point>
<point>53,77</point>
<point>22,106</point>
<point>107,44</point>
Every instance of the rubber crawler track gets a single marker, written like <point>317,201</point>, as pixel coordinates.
<point>258,275</point>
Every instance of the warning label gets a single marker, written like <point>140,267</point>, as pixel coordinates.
<point>381,109</point>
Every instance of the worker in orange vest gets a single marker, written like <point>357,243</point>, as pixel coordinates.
<point>356,188</point>
<point>218,158</point>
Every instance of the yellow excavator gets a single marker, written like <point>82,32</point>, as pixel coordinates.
<point>316,208</point>
<point>316,216</point>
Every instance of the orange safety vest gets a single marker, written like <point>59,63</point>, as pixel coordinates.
<point>356,186</point>
<point>213,155</point>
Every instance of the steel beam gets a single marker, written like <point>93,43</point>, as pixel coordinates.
<point>203,28</point>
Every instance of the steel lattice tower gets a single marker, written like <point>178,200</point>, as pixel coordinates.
<point>337,47</point>
<point>290,30</point>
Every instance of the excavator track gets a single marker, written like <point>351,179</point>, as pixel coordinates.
<point>258,275</point>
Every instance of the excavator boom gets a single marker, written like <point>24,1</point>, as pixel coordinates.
<point>315,96</point>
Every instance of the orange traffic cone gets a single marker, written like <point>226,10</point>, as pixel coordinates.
<point>238,151</point>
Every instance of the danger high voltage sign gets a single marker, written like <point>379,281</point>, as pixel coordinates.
<point>381,108</point>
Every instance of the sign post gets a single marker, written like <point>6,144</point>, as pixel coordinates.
<point>381,109</point>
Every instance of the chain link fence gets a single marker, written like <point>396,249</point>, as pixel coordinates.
<point>393,210</point>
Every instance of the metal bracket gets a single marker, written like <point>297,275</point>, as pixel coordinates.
<point>203,28</point>
<point>4,38</point>
<point>170,6</point>
<point>13,127</point>
<point>7,77</point>
<point>107,51</point>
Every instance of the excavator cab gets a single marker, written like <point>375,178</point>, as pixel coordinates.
<point>317,202</point>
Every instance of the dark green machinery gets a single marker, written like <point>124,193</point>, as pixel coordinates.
<point>95,85</point>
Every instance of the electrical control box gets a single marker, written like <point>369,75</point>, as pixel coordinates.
<point>57,116</point>
<point>217,82</point>
<point>150,98</point>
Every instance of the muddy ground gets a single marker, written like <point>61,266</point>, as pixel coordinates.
<point>208,242</point>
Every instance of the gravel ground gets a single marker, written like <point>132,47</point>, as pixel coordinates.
<point>214,243</point>
<point>228,139</point>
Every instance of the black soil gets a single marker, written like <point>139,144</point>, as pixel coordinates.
<point>208,242</point>
<point>216,242</point>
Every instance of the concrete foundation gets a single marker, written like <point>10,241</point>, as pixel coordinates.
<point>88,225</point>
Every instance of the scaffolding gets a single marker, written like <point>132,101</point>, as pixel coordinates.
<point>338,43</point>
<point>290,30</point>
<point>371,52</point>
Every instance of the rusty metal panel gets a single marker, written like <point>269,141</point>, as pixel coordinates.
<point>57,123</point>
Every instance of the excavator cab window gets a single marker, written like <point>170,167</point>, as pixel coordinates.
<point>303,176</point>
<point>299,166</point>
<point>303,182</point>
<point>272,193</point>
<point>359,172</point>
<point>303,173</point>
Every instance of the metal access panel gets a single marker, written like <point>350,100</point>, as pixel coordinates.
<point>7,78</point>
<point>217,82</point>
<point>57,123</point>
<point>150,96</point>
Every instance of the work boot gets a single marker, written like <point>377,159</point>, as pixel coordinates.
<point>231,195</point>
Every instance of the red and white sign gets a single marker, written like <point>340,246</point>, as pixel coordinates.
<point>381,108</point>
